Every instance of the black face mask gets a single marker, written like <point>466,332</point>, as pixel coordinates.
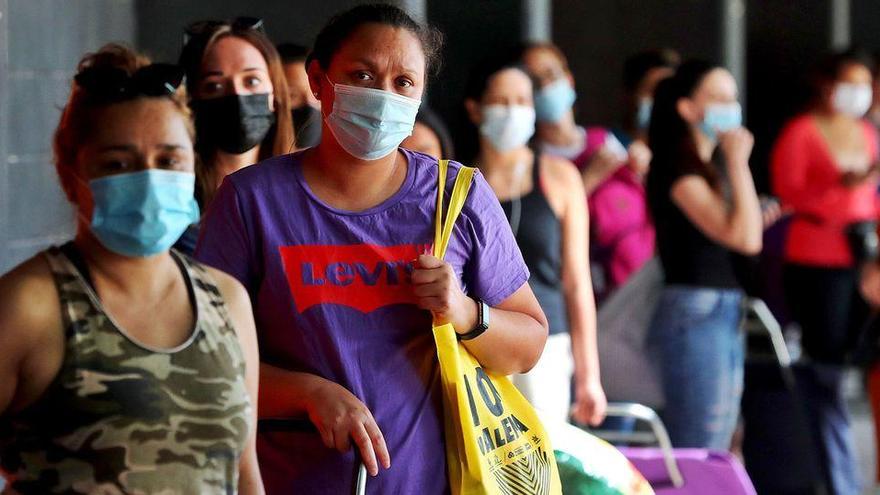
<point>307,126</point>
<point>234,123</point>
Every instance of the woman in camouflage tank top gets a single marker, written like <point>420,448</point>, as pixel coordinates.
<point>127,368</point>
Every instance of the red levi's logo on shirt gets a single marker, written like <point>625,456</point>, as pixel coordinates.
<point>362,276</point>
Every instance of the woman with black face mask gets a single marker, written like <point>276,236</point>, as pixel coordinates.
<point>240,101</point>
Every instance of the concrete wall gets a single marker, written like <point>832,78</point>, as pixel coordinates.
<point>6,257</point>
<point>40,44</point>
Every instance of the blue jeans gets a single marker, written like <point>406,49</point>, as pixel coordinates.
<point>696,338</point>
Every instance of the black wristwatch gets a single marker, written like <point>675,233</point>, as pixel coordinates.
<point>482,322</point>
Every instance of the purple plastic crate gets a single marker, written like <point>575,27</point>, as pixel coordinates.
<point>705,472</point>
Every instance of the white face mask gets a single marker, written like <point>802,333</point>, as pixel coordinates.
<point>852,99</point>
<point>508,126</point>
<point>370,123</point>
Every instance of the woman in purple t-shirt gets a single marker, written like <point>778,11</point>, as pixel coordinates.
<point>330,243</point>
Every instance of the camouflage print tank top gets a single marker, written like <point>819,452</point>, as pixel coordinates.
<point>121,418</point>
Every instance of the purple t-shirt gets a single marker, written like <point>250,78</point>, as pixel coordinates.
<point>332,296</point>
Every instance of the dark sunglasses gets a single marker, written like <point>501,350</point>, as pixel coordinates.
<point>114,84</point>
<point>206,28</point>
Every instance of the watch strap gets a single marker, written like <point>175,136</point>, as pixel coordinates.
<point>482,322</point>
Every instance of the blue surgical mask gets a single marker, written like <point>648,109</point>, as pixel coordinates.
<point>370,123</point>
<point>553,100</point>
<point>643,114</point>
<point>720,117</point>
<point>142,213</point>
<point>508,127</point>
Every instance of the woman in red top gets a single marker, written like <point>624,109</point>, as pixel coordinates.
<point>823,169</point>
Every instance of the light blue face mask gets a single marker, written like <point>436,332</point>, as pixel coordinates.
<point>643,114</point>
<point>720,117</point>
<point>553,100</point>
<point>370,123</point>
<point>143,213</point>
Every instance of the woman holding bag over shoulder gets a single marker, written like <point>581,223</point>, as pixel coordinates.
<point>330,244</point>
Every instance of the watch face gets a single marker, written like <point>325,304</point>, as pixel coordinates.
<point>482,323</point>
<point>484,316</point>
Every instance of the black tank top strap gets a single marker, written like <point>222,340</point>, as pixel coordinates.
<point>536,175</point>
<point>539,236</point>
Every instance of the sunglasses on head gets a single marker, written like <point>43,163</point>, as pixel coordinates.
<point>114,84</point>
<point>206,28</point>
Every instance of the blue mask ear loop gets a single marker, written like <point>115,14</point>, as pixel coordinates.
<point>86,220</point>
<point>323,115</point>
<point>81,186</point>
<point>332,85</point>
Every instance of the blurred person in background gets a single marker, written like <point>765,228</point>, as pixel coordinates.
<point>824,169</point>
<point>874,112</point>
<point>238,94</point>
<point>641,74</point>
<point>305,107</point>
<point>430,136</point>
<point>703,214</point>
<point>123,359</point>
<point>545,203</point>
<point>621,234</point>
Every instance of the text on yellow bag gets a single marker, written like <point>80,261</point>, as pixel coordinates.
<point>495,444</point>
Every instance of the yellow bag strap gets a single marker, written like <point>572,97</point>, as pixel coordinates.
<point>443,230</point>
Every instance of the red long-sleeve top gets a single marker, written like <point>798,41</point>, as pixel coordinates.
<point>808,181</point>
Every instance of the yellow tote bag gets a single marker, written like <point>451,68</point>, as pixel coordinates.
<point>495,444</point>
